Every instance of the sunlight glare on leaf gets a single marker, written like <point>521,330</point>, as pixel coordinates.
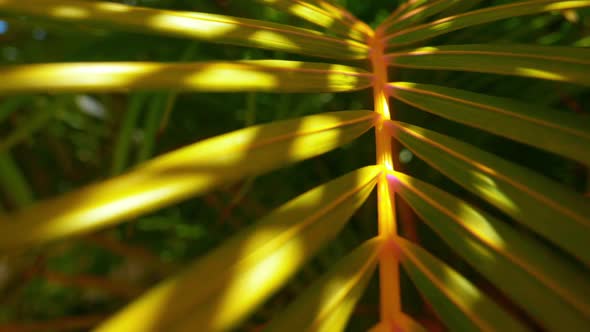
<point>336,20</point>
<point>548,208</point>
<point>477,17</point>
<point>216,77</point>
<point>557,6</point>
<point>271,269</point>
<point>109,210</point>
<point>539,73</point>
<point>112,7</point>
<point>211,76</point>
<point>134,197</point>
<point>469,218</point>
<point>300,146</point>
<point>457,284</point>
<point>185,24</point>
<point>187,171</point>
<point>278,38</point>
<point>479,225</point>
<point>328,303</point>
<point>69,12</point>
<point>558,132</point>
<point>425,50</point>
<point>487,187</point>
<point>484,256</point>
<point>455,299</point>
<point>334,78</point>
<point>206,27</point>
<point>49,75</point>
<point>558,63</point>
<point>300,10</point>
<point>251,265</point>
<point>441,26</point>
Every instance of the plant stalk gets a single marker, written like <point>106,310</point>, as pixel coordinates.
<point>388,264</point>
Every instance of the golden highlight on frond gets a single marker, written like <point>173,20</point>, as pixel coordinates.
<point>504,247</point>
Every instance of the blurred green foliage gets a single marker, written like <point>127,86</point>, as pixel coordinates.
<point>52,143</point>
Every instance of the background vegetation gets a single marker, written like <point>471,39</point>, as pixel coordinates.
<point>53,143</point>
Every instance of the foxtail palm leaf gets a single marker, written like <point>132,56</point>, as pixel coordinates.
<point>507,242</point>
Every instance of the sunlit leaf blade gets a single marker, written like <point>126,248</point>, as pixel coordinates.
<point>544,206</point>
<point>327,304</point>
<point>476,17</point>
<point>555,293</point>
<point>183,173</point>
<point>255,75</point>
<point>420,13</point>
<point>230,282</point>
<point>337,11</point>
<point>399,11</point>
<point>459,303</point>
<point>566,134</point>
<point>337,21</point>
<point>567,64</point>
<point>461,7</point>
<point>199,26</point>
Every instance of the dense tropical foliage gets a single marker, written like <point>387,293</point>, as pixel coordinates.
<point>294,165</point>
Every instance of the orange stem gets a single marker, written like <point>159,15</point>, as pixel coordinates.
<point>388,264</point>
